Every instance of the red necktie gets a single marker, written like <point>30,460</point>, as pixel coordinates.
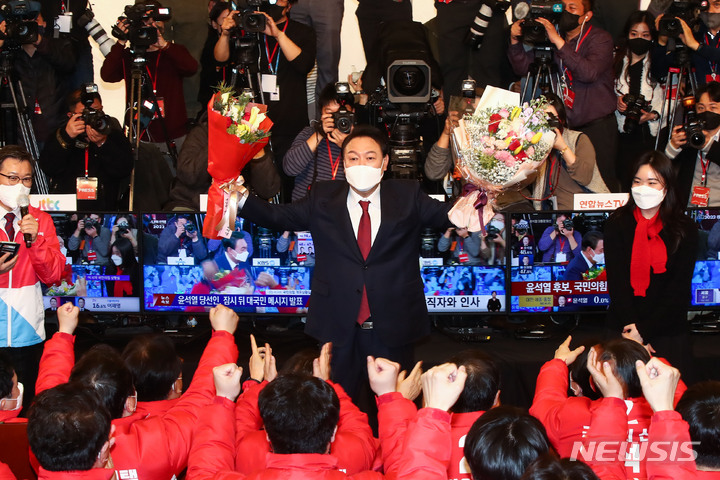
<point>364,241</point>
<point>10,226</point>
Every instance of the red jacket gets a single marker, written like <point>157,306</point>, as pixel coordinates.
<point>11,416</point>
<point>603,446</point>
<point>6,473</point>
<point>92,474</point>
<point>567,420</point>
<point>154,446</point>
<point>213,451</point>
<point>395,413</point>
<point>354,446</point>
<point>158,407</point>
<point>20,287</point>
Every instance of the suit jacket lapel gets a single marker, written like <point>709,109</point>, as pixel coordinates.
<point>336,206</point>
<point>388,212</point>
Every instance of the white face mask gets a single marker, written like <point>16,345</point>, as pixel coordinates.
<point>647,197</point>
<point>241,256</point>
<point>19,399</point>
<point>9,194</point>
<point>499,224</point>
<point>116,259</point>
<point>599,258</point>
<point>363,177</point>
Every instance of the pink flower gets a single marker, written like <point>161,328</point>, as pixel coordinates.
<point>504,113</point>
<point>530,151</point>
<point>505,157</point>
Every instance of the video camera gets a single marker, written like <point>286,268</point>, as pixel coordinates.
<point>687,10</point>
<point>636,104</point>
<point>533,32</point>
<point>343,118</point>
<point>140,35</point>
<point>20,18</point>
<point>694,124</point>
<point>249,19</point>
<point>97,119</point>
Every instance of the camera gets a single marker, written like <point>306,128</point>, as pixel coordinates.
<point>20,25</point>
<point>492,232</point>
<point>636,104</point>
<point>249,19</point>
<point>687,10</point>
<point>482,19</point>
<point>190,228</point>
<point>91,223</point>
<point>467,88</point>
<point>123,228</point>
<point>567,224</point>
<point>554,122</point>
<point>343,118</point>
<point>533,32</point>
<point>97,119</point>
<point>694,125</point>
<point>96,31</point>
<point>135,16</point>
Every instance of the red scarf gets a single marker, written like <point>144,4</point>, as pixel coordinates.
<point>648,252</point>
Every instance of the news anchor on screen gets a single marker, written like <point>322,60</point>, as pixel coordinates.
<point>366,294</point>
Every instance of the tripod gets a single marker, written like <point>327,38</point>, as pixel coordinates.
<point>16,103</point>
<point>679,75</point>
<point>136,105</point>
<point>247,57</point>
<point>543,73</point>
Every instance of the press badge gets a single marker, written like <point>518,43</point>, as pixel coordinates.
<point>270,86</point>
<point>464,257</point>
<point>561,257</point>
<point>700,196</point>
<point>161,106</point>
<point>87,188</point>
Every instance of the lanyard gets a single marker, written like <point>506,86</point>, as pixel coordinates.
<point>713,66</point>
<point>86,161</point>
<point>561,241</point>
<point>333,164</point>
<point>577,47</point>
<point>157,67</point>
<point>704,162</point>
<point>275,50</point>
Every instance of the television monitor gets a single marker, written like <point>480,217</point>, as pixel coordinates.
<point>705,284</point>
<point>464,275</point>
<point>548,271</point>
<point>92,244</point>
<point>255,271</point>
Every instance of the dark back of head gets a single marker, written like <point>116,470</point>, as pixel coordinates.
<point>580,373</point>
<point>700,408</point>
<point>300,413</point>
<point>503,442</point>
<point>622,355</point>
<point>591,239</point>
<point>67,427</point>
<point>102,369</point>
<point>549,467</point>
<point>301,362</point>
<point>154,364</point>
<point>711,88</point>
<point>217,9</point>
<point>367,131</point>
<point>6,375</point>
<point>482,384</point>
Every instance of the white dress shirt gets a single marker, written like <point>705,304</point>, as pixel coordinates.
<point>355,211</point>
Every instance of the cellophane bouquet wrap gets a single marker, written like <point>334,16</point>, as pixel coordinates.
<point>237,130</point>
<point>497,149</point>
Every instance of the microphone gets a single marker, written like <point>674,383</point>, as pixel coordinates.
<point>23,202</point>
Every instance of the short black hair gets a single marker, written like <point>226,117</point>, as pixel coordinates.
<point>700,408</point>
<point>7,370</point>
<point>549,467</point>
<point>559,105</point>
<point>482,384</point>
<point>581,374</point>
<point>711,88</point>
<point>217,9</point>
<point>329,95</point>
<point>102,369</point>
<point>301,361</point>
<point>300,413</point>
<point>14,151</point>
<point>370,132</point>
<point>234,237</point>
<point>591,239</point>
<point>622,354</point>
<point>154,364</point>
<point>503,442</point>
<point>67,428</point>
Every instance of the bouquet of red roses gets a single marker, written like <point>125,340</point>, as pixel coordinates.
<point>237,130</point>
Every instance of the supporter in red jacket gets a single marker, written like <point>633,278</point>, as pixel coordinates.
<point>549,466</point>
<point>353,444</point>
<point>481,393</point>
<point>300,414</point>
<point>153,447</point>
<point>70,433</point>
<point>157,373</point>
<point>567,419</point>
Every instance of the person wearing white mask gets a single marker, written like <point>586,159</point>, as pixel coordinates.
<point>650,257</point>
<point>592,255</point>
<point>11,391</point>
<point>22,316</point>
<point>367,294</point>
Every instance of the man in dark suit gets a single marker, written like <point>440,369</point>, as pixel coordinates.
<point>369,304</point>
<point>592,253</point>
<point>235,252</point>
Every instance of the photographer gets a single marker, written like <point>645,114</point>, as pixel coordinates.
<point>124,227</point>
<point>702,40</point>
<point>584,55</point>
<point>287,54</point>
<point>492,245</point>
<point>166,66</point>
<point>698,170</point>
<point>77,150</point>
<point>181,235</point>
<point>464,246</point>
<point>316,153</point>
<point>560,243</point>
<point>95,241</point>
<point>212,72</point>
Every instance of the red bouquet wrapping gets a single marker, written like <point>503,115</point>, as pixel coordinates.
<point>237,130</point>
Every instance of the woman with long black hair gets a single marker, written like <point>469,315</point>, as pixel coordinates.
<point>650,251</point>
<point>123,263</point>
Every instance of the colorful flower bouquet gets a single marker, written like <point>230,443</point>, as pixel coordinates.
<point>237,130</point>
<point>497,149</point>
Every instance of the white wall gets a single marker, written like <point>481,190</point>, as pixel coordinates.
<point>107,11</point>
